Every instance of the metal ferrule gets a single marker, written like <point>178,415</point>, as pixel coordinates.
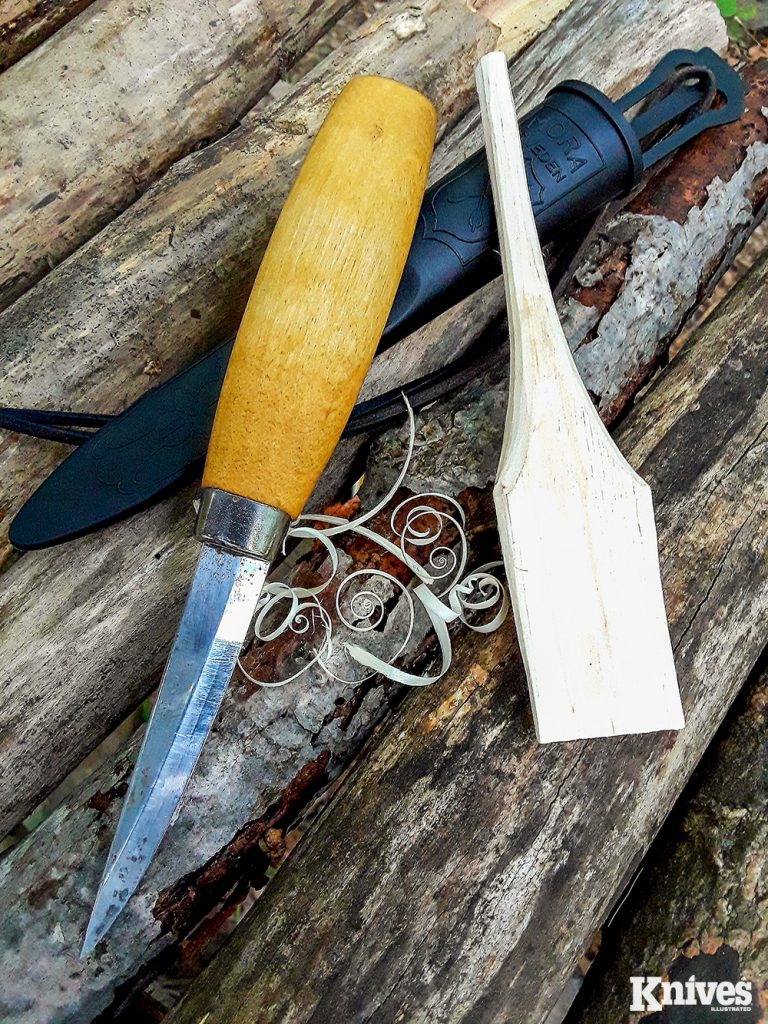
<point>240,525</point>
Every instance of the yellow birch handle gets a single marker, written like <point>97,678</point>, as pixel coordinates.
<point>322,295</point>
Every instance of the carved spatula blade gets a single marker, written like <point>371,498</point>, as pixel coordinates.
<point>576,522</point>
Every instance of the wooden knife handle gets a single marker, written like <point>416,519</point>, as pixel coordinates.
<point>322,295</point>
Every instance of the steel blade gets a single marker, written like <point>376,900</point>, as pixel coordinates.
<point>213,625</point>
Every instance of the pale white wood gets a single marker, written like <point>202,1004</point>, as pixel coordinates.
<point>576,522</point>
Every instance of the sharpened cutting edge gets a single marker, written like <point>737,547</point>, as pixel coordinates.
<point>217,613</point>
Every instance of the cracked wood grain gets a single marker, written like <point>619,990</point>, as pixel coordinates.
<point>169,278</point>
<point>460,872</point>
<point>114,98</point>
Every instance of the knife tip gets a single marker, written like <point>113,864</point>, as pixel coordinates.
<point>90,940</point>
<point>106,907</point>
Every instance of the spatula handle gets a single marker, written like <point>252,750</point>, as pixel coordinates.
<point>322,295</point>
<point>540,350</point>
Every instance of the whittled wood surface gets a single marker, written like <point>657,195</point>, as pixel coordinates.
<point>271,751</point>
<point>95,659</point>
<point>459,873</point>
<point>114,98</point>
<point>575,521</point>
<point>322,295</point>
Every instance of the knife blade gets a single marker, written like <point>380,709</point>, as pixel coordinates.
<point>217,613</point>
<point>308,334</point>
<point>580,153</point>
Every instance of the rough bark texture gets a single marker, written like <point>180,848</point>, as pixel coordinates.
<point>129,581</point>
<point>684,227</point>
<point>114,98</point>
<point>26,23</point>
<point>459,874</point>
<point>171,275</point>
<point>268,754</point>
<point>699,906</point>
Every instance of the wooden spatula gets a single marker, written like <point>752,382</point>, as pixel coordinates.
<point>576,522</point>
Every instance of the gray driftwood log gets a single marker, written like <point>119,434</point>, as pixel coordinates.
<point>103,609</point>
<point>272,750</point>
<point>461,870</point>
<point>114,98</point>
<point>24,24</point>
<point>699,907</point>
<point>169,277</point>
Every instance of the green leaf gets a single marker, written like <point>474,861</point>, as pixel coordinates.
<point>737,9</point>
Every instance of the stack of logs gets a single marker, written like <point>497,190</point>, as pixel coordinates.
<point>459,870</point>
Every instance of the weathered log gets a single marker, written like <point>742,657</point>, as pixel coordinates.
<point>495,857</point>
<point>24,24</point>
<point>268,754</point>
<point>170,276</point>
<point>128,583</point>
<point>437,52</point>
<point>699,906</point>
<point>114,98</point>
<point>710,198</point>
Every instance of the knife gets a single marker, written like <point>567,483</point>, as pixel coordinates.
<point>580,152</point>
<point>310,329</point>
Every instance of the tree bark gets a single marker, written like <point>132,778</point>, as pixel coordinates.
<point>699,906</point>
<point>271,750</point>
<point>170,277</point>
<point>460,872</point>
<point>115,98</point>
<point>24,24</point>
